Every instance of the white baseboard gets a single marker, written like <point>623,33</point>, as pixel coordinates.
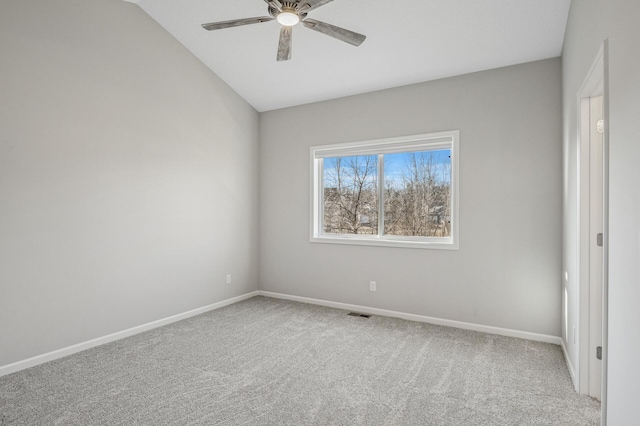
<point>50,356</point>
<point>419,318</point>
<point>572,371</point>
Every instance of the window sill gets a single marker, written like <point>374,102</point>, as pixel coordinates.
<point>444,244</point>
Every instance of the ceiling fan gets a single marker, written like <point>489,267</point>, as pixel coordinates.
<point>288,14</point>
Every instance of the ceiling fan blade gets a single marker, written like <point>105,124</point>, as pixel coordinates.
<point>307,5</point>
<point>284,46</point>
<point>235,23</point>
<point>347,36</point>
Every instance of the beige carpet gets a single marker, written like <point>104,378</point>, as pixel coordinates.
<point>272,362</point>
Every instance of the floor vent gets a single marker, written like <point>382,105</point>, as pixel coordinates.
<point>358,314</point>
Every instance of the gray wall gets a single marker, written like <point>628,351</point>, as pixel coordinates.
<point>128,176</point>
<point>507,271</point>
<point>590,22</point>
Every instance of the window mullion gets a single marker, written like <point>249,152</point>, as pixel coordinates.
<point>320,189</point>
<point>380,195</point>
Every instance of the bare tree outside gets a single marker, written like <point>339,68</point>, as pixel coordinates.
<point>416,194</point>
<point>418,201</point>
<point>351,195</point>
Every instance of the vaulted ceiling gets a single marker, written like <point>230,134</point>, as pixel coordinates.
<point>408,41</point>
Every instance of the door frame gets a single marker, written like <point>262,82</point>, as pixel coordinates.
<point>595,84</point>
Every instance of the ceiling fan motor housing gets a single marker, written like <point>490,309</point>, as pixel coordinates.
<point>287,7</point>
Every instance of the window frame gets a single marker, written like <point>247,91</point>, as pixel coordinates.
<point>414,143</point>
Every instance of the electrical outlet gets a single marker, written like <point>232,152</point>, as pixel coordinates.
<point>228,278</point>
<point>372,286</point>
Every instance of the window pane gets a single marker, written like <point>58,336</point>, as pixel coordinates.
<point>350,186</point>
<point>417,194</point>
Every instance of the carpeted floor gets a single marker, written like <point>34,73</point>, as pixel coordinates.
<point>272,362</point>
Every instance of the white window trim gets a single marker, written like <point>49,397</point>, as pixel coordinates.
<point>429,141</point>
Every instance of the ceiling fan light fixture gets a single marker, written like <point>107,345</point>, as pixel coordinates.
<point>288,18</point>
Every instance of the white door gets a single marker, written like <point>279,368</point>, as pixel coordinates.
<point>596,259</point>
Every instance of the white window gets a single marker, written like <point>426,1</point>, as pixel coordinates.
<point>400,192</point>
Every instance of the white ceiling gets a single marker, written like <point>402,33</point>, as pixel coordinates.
<point>408,41</point>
